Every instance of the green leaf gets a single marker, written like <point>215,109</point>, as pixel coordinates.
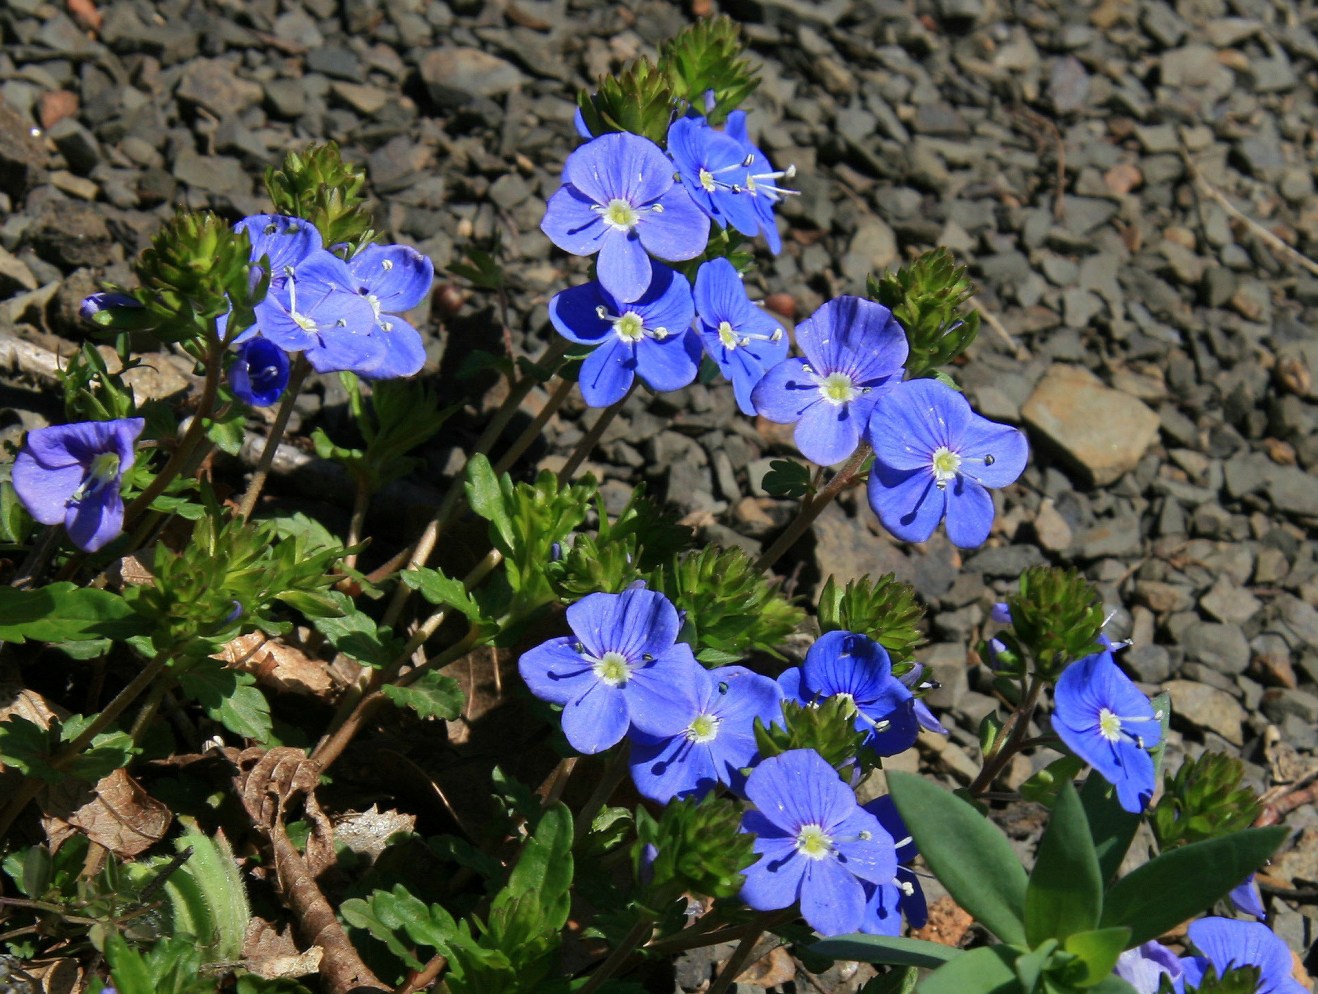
<point>786,478</point>
<point>1065,891</point>
<point>1042,787</point>
<point>431,696</point>
<point>1183,882</point>
<point>485,495</point>
<point>1113,985</point>
<point>65,612</point>
<point>229,432</point>
<point>898,981</point>
<point>108,752</point>
<point>443,591</point>
<point>886,949</point>
<point>1029,966</point>
<point>970,856</point>
<point>231,698</point>
<point>127,968</point>
<point>1098,950</point>
<point>358,636</point>
<point>27,746</point>
<point>1111,827</point>
<point>987,970</point>
<point>362,914</point>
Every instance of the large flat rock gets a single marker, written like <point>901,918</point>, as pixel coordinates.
<point>1101,431</point>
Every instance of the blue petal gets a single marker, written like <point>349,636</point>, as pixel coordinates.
<point>785,392</point>
<point>623,267</point>
<point>832,900</point>
<point>634,623</point>
<point>398,276</point>
<point>992,454</point>
<point>797,788</point>
<point>663,769</point>
<point>909,505</point>
<point>620,166</point>
<point>608,373</point>
<point>97,519</point>
<point>404,351</point>
<point>574,313</point>
<point>596,720</point>
<point>969,513</point>
<point>288,241</point>
<point>555,672</point>
<point>679,231</point>
<point>850,334</point>
<point>45,491</point>
<point>651,690</point>
<point>259,372</point>
<point>572,223</point>
<point>827,433</point>
<point>666,364</point>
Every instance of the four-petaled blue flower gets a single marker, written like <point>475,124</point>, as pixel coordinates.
<point>259,372</point>
<point>1144,966</point>
<point>855,667</point>
<point>709,734</point>
<point>618,669</point>
<point>650,337</point>
<point>1228,943</point>
<point>886,903</point>
<point>313,305</point>
<point>619,199</point>
<point>742,339</point>
<point>852,348</point>
<point>70,475</point>
<point>393,279</point>
<point>933,458</point>
<point>712,167</point>
<point>760,179</point>
<point>817,846</point>
<point>1104,719</point>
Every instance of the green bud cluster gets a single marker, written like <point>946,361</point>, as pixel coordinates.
<point>640,99</point>
<point>883,608</point>
<point>730,608</point>
<point>1056,618</point>
<point>1204,800</point>
<point>1240,980</point>
<point>319,186</point>
<point>927,297</point>
<point>705,58</point>
<point>699,848</point>
<point>196,269</point>
<point>829,729</point>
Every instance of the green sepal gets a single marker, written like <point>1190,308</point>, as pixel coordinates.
<point>969,855</point>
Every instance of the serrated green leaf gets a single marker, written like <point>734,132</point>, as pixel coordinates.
<point>65,612</point>
<point>1065,890</point>
<point>485,495</point>
<point>987,970</point>
<point>969,855</point>
<point>28,747</point>
<point>442,591</point>
<point>127,968</point>
<point>229,432</point>
<point>231,698</point>
<point>363,915</point>
<point>892,949</point>
<point>1183,882</point>
<point>360,638</point>
<point>432,696</point>
<point>786,478</point>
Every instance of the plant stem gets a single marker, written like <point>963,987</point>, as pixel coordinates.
<point>612,775</point>
<point>592,437</point>
<point>1010,740</point>
<point>618,955</point>
<point>32,786</point>
<point>300,370</point>
<point>533,430</point>
<point>737,961</point>
<point>813,506</point>
<point>361,501</point>
<point>196,431</point>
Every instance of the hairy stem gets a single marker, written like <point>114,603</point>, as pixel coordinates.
<point>812,506</point>
<point>360,502</point>
<point>588,441</point>
<point>300,370</point>
<point>1010,740</point>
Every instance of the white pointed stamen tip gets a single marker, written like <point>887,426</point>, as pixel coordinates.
<point>387,264</point>
<point>601,312</point>
<point>777,335</point>
<point>790,171</point>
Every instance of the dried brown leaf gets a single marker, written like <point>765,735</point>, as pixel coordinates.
<point>272,954</point>
<point>367,832</point>
<point>268,780</point>
<point>117,813</point>
<point>771,970</point>
<point>57,976</point>
<point>278,666</point>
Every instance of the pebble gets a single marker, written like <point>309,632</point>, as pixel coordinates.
<point>1207,709</point>
<point>455,76</point>
<point>1100,431</point>
<point>1219,646</point>
<point>215,85</point>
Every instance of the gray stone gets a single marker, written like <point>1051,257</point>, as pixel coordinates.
<point>362,98</point>
<point>1279,702</point>
<point>1207,709</point>
<point>78,145</point>
<point>876,244</point>
<point>456,76</point>
<point>335,62</point>
<point>1149,663</point>
<point>1220,646</point>
<point>946,663</point>
<point>1229,603</point>
<point>211,173</point>
<point>15,275</point>
<point>1293,491</point>
<point>1102,431</point>
<point>1068,84</point>
<point>215,85</point>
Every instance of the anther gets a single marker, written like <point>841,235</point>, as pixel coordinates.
<point>270,229</point>
<point>388,264</point>
<point>989,460</point>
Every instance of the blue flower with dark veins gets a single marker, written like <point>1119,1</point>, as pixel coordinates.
<point>259,372</point>
<point>712,167</point>
<point>71,475</point>
<point>1105,720</point>
<point>903,895</point>
<point>1227,943</point>
<point>852,347</point>
<point>393,279</point>
<point>742,339</point>
<point>761,180</point>
<point>650,337</point>
<point>620,200</point>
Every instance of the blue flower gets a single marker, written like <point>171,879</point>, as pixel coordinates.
<point>1144,966</point>
<point>259,372</point>
<point>709,735</point>
<point>844,664</point>
<point>618,669</point>
<point>1245,897</point>
<point>620,200</point>
<point>712,167</point>
<point>817,847</point>
<point>742,339</point>
<point>393,279</point>
<point>852,347</point>
<point>760,180</point>
<point>71,475</point>
<point>933,458</point>
<point>1104,719</point>
<point>313,305</point>
<point>649,336</point>
<point>1227,943</point>
<point>887,903</point>
<point>106,300</point>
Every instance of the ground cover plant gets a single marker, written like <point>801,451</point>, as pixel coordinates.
<point>680,771</point>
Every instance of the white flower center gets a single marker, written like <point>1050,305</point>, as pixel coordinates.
<point>946,464</point>
<point>703,728</point>
<point>813,842</point>
<point>103,469</point>
<point>727,335</point>
<point>838,388</point>
<point>630,327</point>
<point>612,668</point>
<point>1109,725</point>
<point>620,215</point>
<point>707,181</point>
